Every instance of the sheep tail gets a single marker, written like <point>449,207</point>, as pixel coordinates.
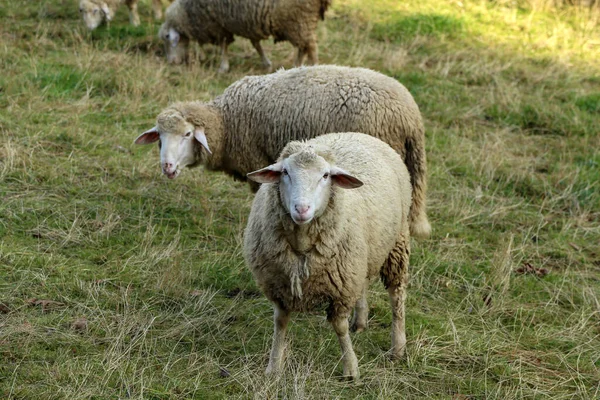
<point>324,5</point>
<point>416,163</point>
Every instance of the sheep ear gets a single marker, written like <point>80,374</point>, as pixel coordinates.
<point>150,136</point>
<point>201,137</point>
<point>270,174</point>
<point>173,37</point>
<point>341,178</point>
<point>106,11</point>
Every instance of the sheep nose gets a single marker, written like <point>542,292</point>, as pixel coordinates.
<point>302,208</point>
<point>167,167</point>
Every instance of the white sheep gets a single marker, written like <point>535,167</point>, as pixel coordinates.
<point>250,123</point>
<point>311,241</point>
<point>217,21</point>
<point>96,11</point>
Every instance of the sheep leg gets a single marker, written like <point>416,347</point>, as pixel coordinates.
<point>313,58</point>
<point>395,278</point>
<point>265,61</point>
<point>349,361</point>
<point>157,8</point>
<point>300,57</point>
<point>281,317</point>
<point>361,312</point>
<point>134,17</point>
<point>224,67</point>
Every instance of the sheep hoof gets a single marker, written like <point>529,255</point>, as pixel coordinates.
<point>396,355</point>
<point>271,371</point>
<point>358,327</point>
<point>350,376</point>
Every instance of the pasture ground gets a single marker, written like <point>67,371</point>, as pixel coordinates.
<point>117,283</point>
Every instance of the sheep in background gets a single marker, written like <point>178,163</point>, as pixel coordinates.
<point>95,11</point>
<point>311,241</point>
<point>217,21</point>
<point>250,123</point>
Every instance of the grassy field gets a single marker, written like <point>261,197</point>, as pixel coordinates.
<point>117,283</point>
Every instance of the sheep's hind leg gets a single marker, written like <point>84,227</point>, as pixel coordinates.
<point>349,361</point>
<point>300,57</point>
<point>395,278</point>
<point>265,61</point>
<point>361,312</point>
<point>224,67</point>
<point>281,317</point>
<point>313,57</point>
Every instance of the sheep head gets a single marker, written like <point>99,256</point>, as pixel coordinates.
<point>177,139</point>
<point>305,176</point>
<point>93,13</point>
<point>176,45</point>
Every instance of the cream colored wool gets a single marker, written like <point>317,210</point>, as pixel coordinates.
<point>217,21</point>
<point>250,123</point>
<point>363,233</point>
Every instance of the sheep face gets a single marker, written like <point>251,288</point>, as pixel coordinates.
<point>93,14</point>
<point>305,183</point>
<point>177,147</point>
<point>176,45</point>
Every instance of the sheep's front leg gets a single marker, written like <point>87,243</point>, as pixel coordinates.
<point>134,17</point>
<point>224,67</point>
<point>361,312</point>
<point>349,360</point>
<point>281,317</point>
<point>265,61</point>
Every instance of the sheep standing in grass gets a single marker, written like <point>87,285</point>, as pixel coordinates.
<point>217,21</point>
<point>311,241</point>
<point>249,124</point>
<point>95,11</point>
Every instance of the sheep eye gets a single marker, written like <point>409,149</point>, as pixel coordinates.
<point>325,176</point>
<point>96,11</point>
<point>188,134</point>
<point>284,172</point>
<point>81,10</point>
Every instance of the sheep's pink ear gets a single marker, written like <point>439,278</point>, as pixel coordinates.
<point>201,137</point>
<point>150,136</point>
<point>270,174</point>
<point>341,178</point>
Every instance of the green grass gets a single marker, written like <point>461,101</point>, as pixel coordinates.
<point>510,95</point>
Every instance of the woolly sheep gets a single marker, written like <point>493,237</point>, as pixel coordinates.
<point>217,21</point>
<point>249,124</point>
<point>95,11</point>
<point>311,242</point>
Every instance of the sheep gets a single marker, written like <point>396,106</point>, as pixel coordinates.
<point>250,123</point>
<point>310,241</point>
<point>95,11</point>
<point>217,21</point>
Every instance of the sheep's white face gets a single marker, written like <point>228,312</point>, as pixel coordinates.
<point>177,149</point>
<point>93,14</point>
<point>305,182</point>
<point>176,46</point>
